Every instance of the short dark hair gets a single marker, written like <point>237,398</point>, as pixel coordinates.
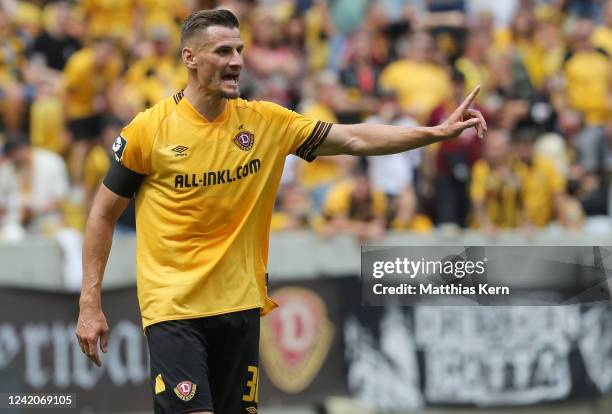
<point>202,19</point>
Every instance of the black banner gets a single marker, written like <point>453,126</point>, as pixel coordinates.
<point>39,351</point>
<point>321,342</point>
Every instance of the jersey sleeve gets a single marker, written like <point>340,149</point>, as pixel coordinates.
<point>132,158</point>
<point>300,135</point>
<point>132,148</point>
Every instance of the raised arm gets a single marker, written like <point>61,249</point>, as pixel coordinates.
<point>371,139</point>
<point>92,325</point>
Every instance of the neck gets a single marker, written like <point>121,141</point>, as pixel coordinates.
<point>210,107</point>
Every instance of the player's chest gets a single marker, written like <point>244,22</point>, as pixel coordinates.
<point>211,158</point>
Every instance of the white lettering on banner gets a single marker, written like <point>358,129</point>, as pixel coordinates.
<point>35,338</point>
<point>595,344</point>
<point>61,337</point>
<point>9,344</point>
<point>52,357</point>
<point>134,369</point>
<point>476,355</point>
<point>386,376</point>
<point>496,355</point>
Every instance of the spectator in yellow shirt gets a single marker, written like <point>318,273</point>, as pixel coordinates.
<point>164,14</point>
<point>506,191</point>
<point>88,75</point>
<point>316,177</point>
<point>355,207</point>
<point>112,18</point>
<point>588,76</point>
<point>473,63</point>
<point>542,187</point>
<point>292,211</point>
<point>96,165</point>
<point>420,84</point>
<point>155,76</point>
<point>495,187</point>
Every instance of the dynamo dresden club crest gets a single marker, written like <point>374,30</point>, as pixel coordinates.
<point>244,140</point>
<point>295,338</point>
<point>185,390</point>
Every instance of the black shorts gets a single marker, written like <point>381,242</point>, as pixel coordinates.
<point>206,364</point>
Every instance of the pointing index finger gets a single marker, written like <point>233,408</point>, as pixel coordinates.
<point>468,101</point>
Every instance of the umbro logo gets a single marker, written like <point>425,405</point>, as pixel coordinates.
<point>251,410</point>
<point>179,150</point>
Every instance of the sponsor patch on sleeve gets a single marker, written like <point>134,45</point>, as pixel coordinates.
<point>118,147</point>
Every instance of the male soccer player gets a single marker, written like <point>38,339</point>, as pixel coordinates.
<point>205,165</point>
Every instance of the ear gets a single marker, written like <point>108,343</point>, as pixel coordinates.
<point>188,58</point>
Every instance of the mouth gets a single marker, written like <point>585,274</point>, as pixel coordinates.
<point>231,79</point>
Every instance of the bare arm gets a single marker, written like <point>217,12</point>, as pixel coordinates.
<point>370,139</point>
<point>92,325</point>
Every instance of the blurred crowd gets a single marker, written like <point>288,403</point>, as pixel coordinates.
<point>73,73</point>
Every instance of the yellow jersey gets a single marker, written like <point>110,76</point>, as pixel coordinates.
<point>528,188</point>
<point>588,82</point>
<point>420,86</point>
<point>501,196</point>
<point>151,79</point>
<point>109,17</point>
<point>204,206</point>
<point>340,202</point>
<point>540,183</point>
<point>83,81</point>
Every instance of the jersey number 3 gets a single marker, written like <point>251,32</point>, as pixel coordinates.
<point>252,385</point>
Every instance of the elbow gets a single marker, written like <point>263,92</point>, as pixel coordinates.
<point>96,221</point>
<point>357,146</point>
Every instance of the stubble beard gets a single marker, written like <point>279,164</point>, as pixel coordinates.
<point>231,95</point>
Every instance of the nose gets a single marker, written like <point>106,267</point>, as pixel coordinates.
<point>236,61</point>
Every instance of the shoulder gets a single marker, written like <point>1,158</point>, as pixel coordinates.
<point>266,111</point>
<point>163,108</point>
<point>257,106</point>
